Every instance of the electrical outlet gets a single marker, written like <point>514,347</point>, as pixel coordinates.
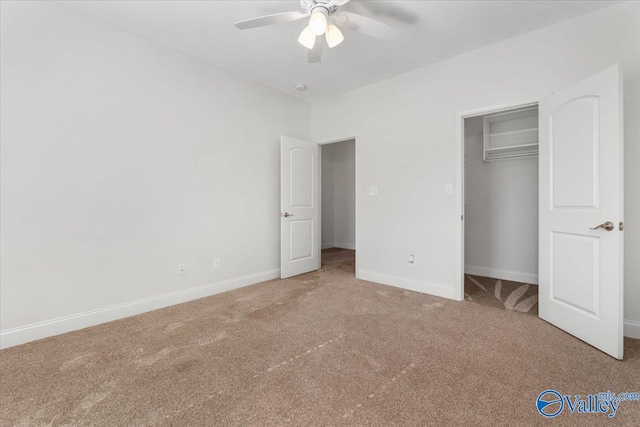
<point>412,260</point>
<point>182,269</point>
<point>216,263</point>
<point>373,191</point>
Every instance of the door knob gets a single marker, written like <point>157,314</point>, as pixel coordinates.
<point>286,215</point>
<point>606,226</point>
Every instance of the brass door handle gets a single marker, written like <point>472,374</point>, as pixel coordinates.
<point>606,226</point>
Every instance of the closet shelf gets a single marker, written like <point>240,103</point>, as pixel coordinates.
<point>513,132</point>
<point>511,147</point>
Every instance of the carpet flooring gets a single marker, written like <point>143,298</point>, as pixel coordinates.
<point>319,349</point>
<point>503,294</point>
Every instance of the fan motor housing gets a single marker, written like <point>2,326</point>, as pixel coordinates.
<point>308,5</point>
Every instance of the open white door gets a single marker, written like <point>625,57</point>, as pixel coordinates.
<point>581,196</point>
<point>299,207</point>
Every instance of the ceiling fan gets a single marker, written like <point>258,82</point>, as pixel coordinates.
<point>325,18</point>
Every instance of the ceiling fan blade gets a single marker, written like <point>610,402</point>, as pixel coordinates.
<point>336,3</point>
<point>315,54</point>
<point>364,25</point>
<point>277,18</point>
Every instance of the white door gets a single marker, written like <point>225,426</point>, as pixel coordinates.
<point>581,197</point>
<point>299,207</point>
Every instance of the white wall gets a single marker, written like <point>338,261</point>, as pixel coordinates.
<point>121,159</point>
<point>501,212</point>
<point>406,132</point>
<point>338,196</point>
<point>328,197</point>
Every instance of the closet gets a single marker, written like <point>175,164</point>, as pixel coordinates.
<point>501,195</point>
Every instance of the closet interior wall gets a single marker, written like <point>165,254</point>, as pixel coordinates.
<point>501,212</point>
<point>338,195</point>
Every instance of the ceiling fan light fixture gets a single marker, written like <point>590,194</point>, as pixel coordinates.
<point>307,38</point>
<point>318,21</point>
<point>334,36</point>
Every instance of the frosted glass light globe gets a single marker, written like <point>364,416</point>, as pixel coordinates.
<point>318,21</point>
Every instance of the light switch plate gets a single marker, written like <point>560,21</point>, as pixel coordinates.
<point>448,189</point>
<point>373,191</point>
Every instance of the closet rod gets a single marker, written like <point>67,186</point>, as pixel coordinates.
<point>508,156</point>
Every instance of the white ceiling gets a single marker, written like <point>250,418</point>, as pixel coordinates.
<point>428,31</point>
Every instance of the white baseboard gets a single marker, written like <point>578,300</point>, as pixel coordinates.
<point>409,284</point>
<point>495,273</point>
<point>350,246</point>
<point>632,329</point>
<point>35,331</point>
<point>327,245</point>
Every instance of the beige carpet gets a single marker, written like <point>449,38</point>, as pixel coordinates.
<point>318,349</point>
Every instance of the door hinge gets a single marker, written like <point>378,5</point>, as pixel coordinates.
<point>621,226</point>
<point>461,217</point>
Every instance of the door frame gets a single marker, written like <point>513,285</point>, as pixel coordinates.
<point>335,141</point>
<point>460,118</point>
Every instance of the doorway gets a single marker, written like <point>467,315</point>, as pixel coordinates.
<point>501,209</point>
<point>338,202</point>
